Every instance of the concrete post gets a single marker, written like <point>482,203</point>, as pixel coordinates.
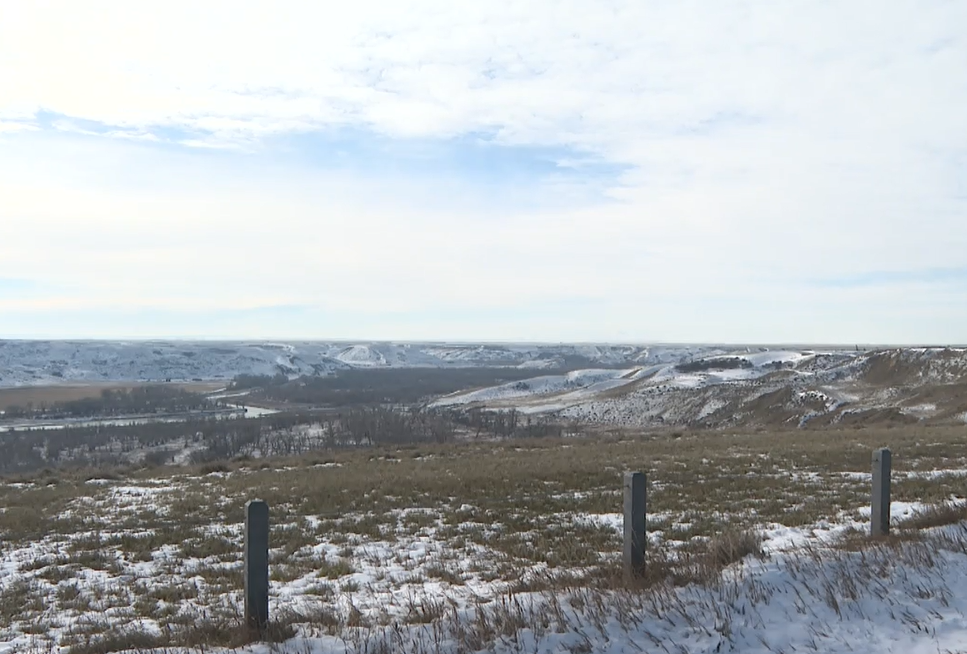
<point>634,523</point>
<point>257,564</point>
<point>880,505</point>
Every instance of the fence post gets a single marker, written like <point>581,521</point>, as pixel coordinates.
<point>634,523</point>
<point>256,564</point>
<point>880,505</point>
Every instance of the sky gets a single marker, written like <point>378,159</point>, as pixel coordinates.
<point>649,171</point>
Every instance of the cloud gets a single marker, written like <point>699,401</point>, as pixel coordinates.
<point>550,73</point>
<point>666,170</point>
<point>922,277</point>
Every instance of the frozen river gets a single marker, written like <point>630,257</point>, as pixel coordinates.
<point>239,411</point>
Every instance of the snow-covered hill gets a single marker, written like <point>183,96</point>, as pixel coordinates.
<point>744,388</point>
<point>55,362</point>
<point>626,385</point>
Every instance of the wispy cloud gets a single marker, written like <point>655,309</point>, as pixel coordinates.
<point>925,276</point>
<point>663,170</point>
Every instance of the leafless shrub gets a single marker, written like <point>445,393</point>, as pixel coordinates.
<point>213,467</point>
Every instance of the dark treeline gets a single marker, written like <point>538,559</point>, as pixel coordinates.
<point>380,386</point>
<point>115,402</point>
<point>245,382</point>
<point>723,363</point>
<point>375,426</point>
<point>505,424</point>
<point>359,408</point>
<point>287,434</point>
<point>155,443</point>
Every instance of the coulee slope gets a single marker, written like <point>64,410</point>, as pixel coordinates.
<point>773,388</point>
<point>626,385</point>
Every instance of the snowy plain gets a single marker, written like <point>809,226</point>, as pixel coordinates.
<point>420,583</point>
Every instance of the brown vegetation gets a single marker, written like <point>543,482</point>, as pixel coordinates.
<point>37,395</point>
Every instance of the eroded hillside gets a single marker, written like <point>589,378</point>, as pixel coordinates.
<point>785,388</point>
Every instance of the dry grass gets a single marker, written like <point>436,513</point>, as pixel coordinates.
<point>37,395</point>
<point>116,640</point>
<point>936,515</point>
<point>196,632</point>
<point>713,482</point>
<point>524,504</point>
<point>733,546</point>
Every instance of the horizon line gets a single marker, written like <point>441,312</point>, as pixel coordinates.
<point>409,341</point>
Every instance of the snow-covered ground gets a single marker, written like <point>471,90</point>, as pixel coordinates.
<point>579,382</point>
<point>908,600</point>
<point>422,586</point>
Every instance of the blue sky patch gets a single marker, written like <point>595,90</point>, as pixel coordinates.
<point>887,277</point>
<point>13,287</point>
<point>477,157</point>
<point>513,175</point>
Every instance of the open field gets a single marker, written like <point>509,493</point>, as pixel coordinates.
<point>422,538</point>
<point>37,395</point>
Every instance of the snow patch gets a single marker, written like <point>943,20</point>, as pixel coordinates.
<point>361,355</point>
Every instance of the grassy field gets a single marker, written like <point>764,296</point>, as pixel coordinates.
<point>374,537</point>
<point>36,395</point>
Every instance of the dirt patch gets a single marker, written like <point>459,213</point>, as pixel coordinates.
<point>627,389</point>
<point>885,417</point>
<point>903,367</point>
<point>945,396</point>
<point>770,402</point>
<point>890,368</point>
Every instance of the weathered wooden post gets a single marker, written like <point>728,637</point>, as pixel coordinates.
<point>257,564</point>
<point>880,505</point>
<point>634,523</point>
